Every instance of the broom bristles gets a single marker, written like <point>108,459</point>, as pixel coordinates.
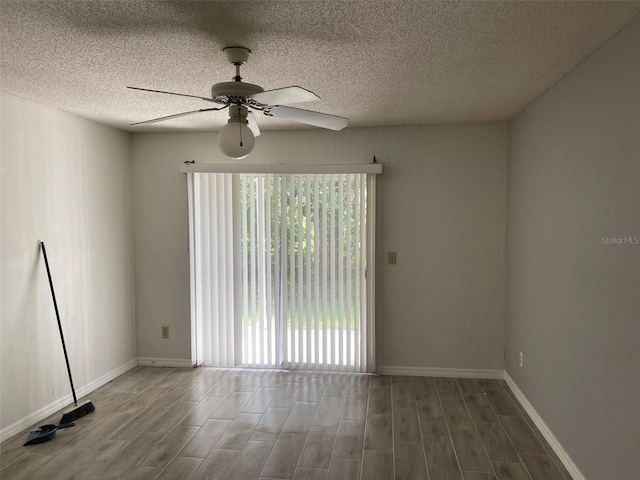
<point>77,412</point>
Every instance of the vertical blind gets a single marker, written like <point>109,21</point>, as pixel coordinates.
<point>284,283</point>
<point>211,232</point>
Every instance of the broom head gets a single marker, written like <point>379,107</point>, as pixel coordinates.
<point>77,411</point>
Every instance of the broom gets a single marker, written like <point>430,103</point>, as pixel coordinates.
<point>87,407</point>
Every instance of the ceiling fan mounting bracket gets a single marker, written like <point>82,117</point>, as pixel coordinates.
<point>237,55</point>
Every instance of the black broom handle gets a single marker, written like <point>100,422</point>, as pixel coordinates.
<point>55,305</point>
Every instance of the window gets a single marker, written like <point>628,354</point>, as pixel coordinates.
<point>280,270</point>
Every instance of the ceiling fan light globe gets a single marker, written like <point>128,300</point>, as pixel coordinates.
<point>236,140</point>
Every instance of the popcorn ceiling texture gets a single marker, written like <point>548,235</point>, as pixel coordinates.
<point>375,62</point>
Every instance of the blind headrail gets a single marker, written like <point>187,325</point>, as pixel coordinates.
<point>371,168</point>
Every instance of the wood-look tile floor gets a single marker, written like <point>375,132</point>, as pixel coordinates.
<point>196,424</point>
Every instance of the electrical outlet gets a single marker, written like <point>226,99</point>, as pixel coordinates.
<point>392,258</point>
<point>165,332</point>
<point>520,360</point>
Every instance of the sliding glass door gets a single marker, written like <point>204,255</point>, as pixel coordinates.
<point>279,270</point>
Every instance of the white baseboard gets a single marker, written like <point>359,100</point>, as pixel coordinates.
<point>562,454</point>
<point>440,372</point>
<point>164,362</point>
<point>52,408</point>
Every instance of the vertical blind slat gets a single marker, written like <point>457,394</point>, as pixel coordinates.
<point>245,274</point>
<point>363,272</point>
<point>268,273</point>
<point>291,313</point>
<point>308,267</point>
<point>347,303</point>
<point>300,278</point>
<point>316,270</point>
<point>325,270</point>
<point>356,233</point>
<point>340,259</point>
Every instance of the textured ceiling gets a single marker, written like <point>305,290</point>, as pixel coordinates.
<point>376,62</point>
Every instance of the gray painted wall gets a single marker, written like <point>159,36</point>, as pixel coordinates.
<point>573,300</point>
<point>442,209</point>
<point>67,182</point>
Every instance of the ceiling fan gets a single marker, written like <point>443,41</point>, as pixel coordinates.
<point>237,138</point>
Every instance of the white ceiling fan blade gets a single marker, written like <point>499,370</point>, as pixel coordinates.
<point>177,115</point>
<point>284,96</point>
<point>171,93</point>
<point>253,125</point>
<point>308,117</point>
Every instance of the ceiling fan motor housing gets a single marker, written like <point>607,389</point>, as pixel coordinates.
<point>236,92</point>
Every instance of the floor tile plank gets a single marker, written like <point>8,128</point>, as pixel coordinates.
<point>541,467</point>
<point>304,473</point>
<point>236,436</point>
<point>447,387</point>
<point>142,473</point>
<point>171,417</point>
<point>380,381</point>
<point>489,385</point>
<point>203,411</point>
<point>251,461</point>
<point>318,447</point>
<point>511,471</point>
<point>328,414</point>
<point>349,439</point>
<point>22,468</point>
<point>354,407</point>
<point>497,443</point>
<point>432,421</point>
<point>271,424</point>
<point>379,399</point>
<point>425,389</point>
<point>406,428</point>
<point>261,400</point>
<point>455,412</point>
<point>409,461</point>
<point>131,453</point>
<point>403,395</point>
<point>169,446</point>
<point>232,405</point>
<point>312,390</point>
<point>377,465</point>
<point>522,437</point>
<point>378,432</point>
<point>139,424</point>
<point>480,408</point>
<point>283,459</point>
<point>502,403</point>
<point>216,465</point>
<point>181,468</point>
<point>441,458</point>
<point>300,418</point>
<point>470,452</point>
<point>205,439</point>
<point>287,396</point>
<point>478,476</point>
<point>344,469</point>
<point>469,385</point>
